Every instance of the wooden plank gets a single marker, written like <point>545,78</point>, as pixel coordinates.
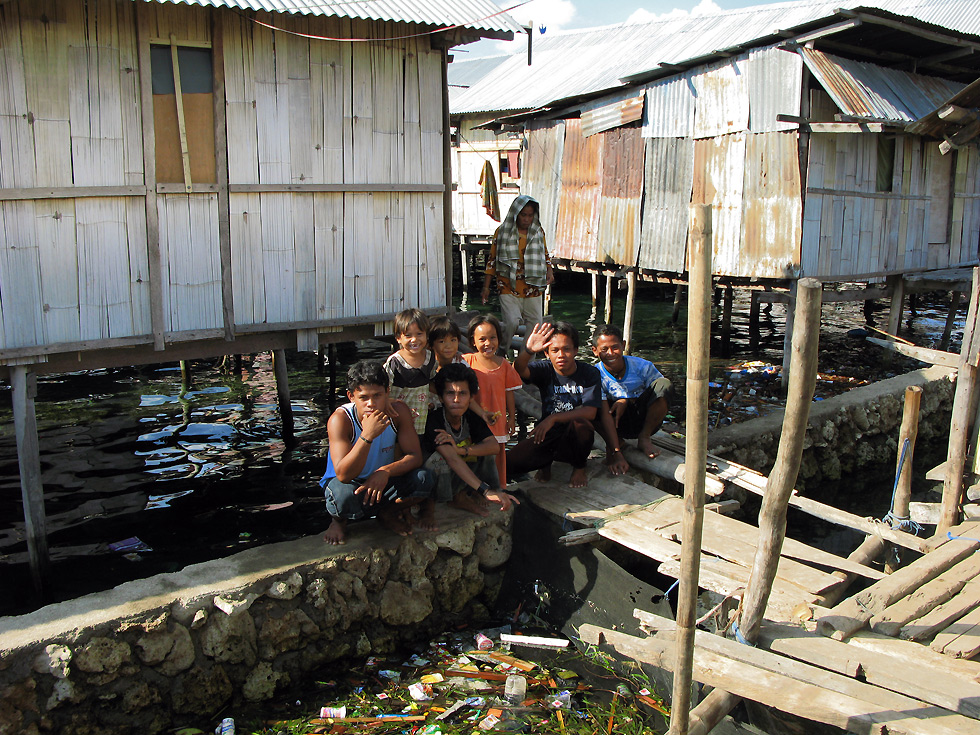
<point>278,257</point>
<point>935,592</point>
<point>54,224</point>
<point>348,188</point>
<point>23,385</point>
<point>962,638</point>
<point>248,278</point>
<point>23,322</point>
<point>924,354</point>
<point>328,254</point>
<point>940,617</point>
<point>903,651</point>
<point>70,192</point>
<point>927,683</point>
<point>221,175</point>
<point>789,686</point>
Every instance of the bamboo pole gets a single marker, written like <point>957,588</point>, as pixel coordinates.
<point>696,451</point>
<point>775,501</point>
<point>954,305</point>
<point>782,479</point>
<point>899,514</point>
<point>595,289</point>
<point>609,298</point>
<point>630,307</point>
<point>959,436</point>
<point>788,336</point>
<point>897,304</point>
<point>678,295</point>
<point>726,320</point>
<point>23,384</point>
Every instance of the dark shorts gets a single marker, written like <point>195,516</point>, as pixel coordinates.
<point>342,502</point>
<point>631,422</point>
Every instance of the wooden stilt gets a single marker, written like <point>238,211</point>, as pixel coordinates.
<point>788,336</point>
<point>464,264</point>
<point>282,392</point>
<point>897,284</point>
<point>186,376</point>
<point>595,289</point>
<point>678,295</point>
<point>903,468</point>
<point>954,305</point>
<point>630,307</point>
<point>959,436</point>
<point>726,321</point>
<point>609,294</point>
<point>23,385</point>
<point>332,357</point>
<point>755,336</point>
<point>238,364</point>
<point>698,339</point>
<point>772,517</point>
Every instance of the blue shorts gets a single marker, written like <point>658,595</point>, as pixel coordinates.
<point>342,502</point>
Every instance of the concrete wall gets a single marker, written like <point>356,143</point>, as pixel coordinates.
<point>176,648</point>
<point>846,433</point>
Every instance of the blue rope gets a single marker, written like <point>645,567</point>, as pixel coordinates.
<point>738,635</point>
<point>951,537</point>
<point>672,587</point>
<point>903,523</point>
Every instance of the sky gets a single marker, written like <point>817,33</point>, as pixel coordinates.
<point>555,15</point>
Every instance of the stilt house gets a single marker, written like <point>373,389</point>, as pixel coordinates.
<point>836,142</point>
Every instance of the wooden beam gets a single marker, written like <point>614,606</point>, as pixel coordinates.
<point>70,192</point>
<point>185,155</point>
<point>948,39</point>
<point>959,436</point>
<point>630,308</point>
<point>925,354</point>
<point>221,173</point>
<point>337,188</point>
<point>958,115</point>
<point>23,385</point>
<point>154,262</point>
<point>903,465</point>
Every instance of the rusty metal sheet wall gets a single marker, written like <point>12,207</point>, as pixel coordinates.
<point>719,165</point>
<point>541,177</point>
<point>669,109</point>
<point>621,194</point>
<point>669,176</point>
<point>577,231</point>
<point>772,206</point>
<point>612,113</point>
<point>775,82</point>
<point>722,100</point>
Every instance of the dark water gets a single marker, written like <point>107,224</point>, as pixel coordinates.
<point>203,473</point>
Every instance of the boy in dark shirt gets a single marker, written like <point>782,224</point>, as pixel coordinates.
<point>461,446</point>
<point>571,394</point>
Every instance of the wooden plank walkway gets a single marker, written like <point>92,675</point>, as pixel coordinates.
<point>860,679</point>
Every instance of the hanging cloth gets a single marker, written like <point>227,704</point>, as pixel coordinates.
<point>488,185</point>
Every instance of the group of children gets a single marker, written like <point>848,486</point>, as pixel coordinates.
<point>432,424</point>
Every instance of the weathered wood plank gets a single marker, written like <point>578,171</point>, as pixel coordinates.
<point>940,617</point>
<point>962,638</point>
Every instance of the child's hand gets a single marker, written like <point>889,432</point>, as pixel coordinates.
<point>511,424</point>
<point>492,418</point>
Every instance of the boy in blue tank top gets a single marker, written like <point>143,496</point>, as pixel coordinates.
<point>375,460</point>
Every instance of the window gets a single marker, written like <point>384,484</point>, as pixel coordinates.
<point>886,162</point>
<point>183,115</point>
<point>510,169</point>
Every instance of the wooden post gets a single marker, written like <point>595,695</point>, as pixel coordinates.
<point>678,295</point>
<point>959,436</point>
<point>695,456</point>
<point>782,479</point>
<point>630,307</point>
<point>221,175</point>
<point>447,180</point>
<point>546,307</point>
<point>595,289</point>
<point>726,320</point>
<point>788,336</point>
<point>332,356</point>
<point>186,376</point>
<point>897,303</point>
<point>609,294</point>
<point>954,305</point>
<point>754,335</point>
<point>464,264</point>
<point>23,383</point>
<point>903,467</point>
<point>282,392</point>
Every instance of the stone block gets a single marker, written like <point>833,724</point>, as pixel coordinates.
<point>402,604</point>
<point>53,660</point>
<point>202,691</point>
<point>261,682</point>
<point>493,546</point>
<point>102,655</point>
<point>459,539</point>
<point>286,589</point>
<point>290,632</point>
<point>230,638</point>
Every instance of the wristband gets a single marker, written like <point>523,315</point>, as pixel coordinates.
<point>484,488</point>
<point>617,449</point>
<point>366,440</point>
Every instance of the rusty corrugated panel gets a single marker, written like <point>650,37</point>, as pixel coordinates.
<point>541,177</point>
<point>719,167</point>
<point>669,176</point>
<point>775,81</point>
<point>577,231</point>
<point>722,105</point>
<point>932,124</point>
<point>874,93</point>
<point>622,191</point>
<point>772,219</point>
<point>670,108</point>
<point>611,114</point>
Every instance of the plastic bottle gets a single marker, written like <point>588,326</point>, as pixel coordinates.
<point>515,689</point>
<point>227,727</point>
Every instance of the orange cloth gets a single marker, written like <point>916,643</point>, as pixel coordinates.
<point>494,385</point>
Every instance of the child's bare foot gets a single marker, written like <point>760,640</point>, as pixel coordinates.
<point>579,478</point>
<point>337,532</point>
<point>394,520</point>
<point>543,475</point>
<point>427,516</point>
<point>646,446</point>
<point>471,504</point>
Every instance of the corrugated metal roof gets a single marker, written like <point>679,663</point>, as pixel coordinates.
<point>569,64</point>
<point>611,113</point>
<point>482,15</point>
<point>872,92</point>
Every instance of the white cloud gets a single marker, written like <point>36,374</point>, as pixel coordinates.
<point>704,7</point>
<point>551,14</point>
